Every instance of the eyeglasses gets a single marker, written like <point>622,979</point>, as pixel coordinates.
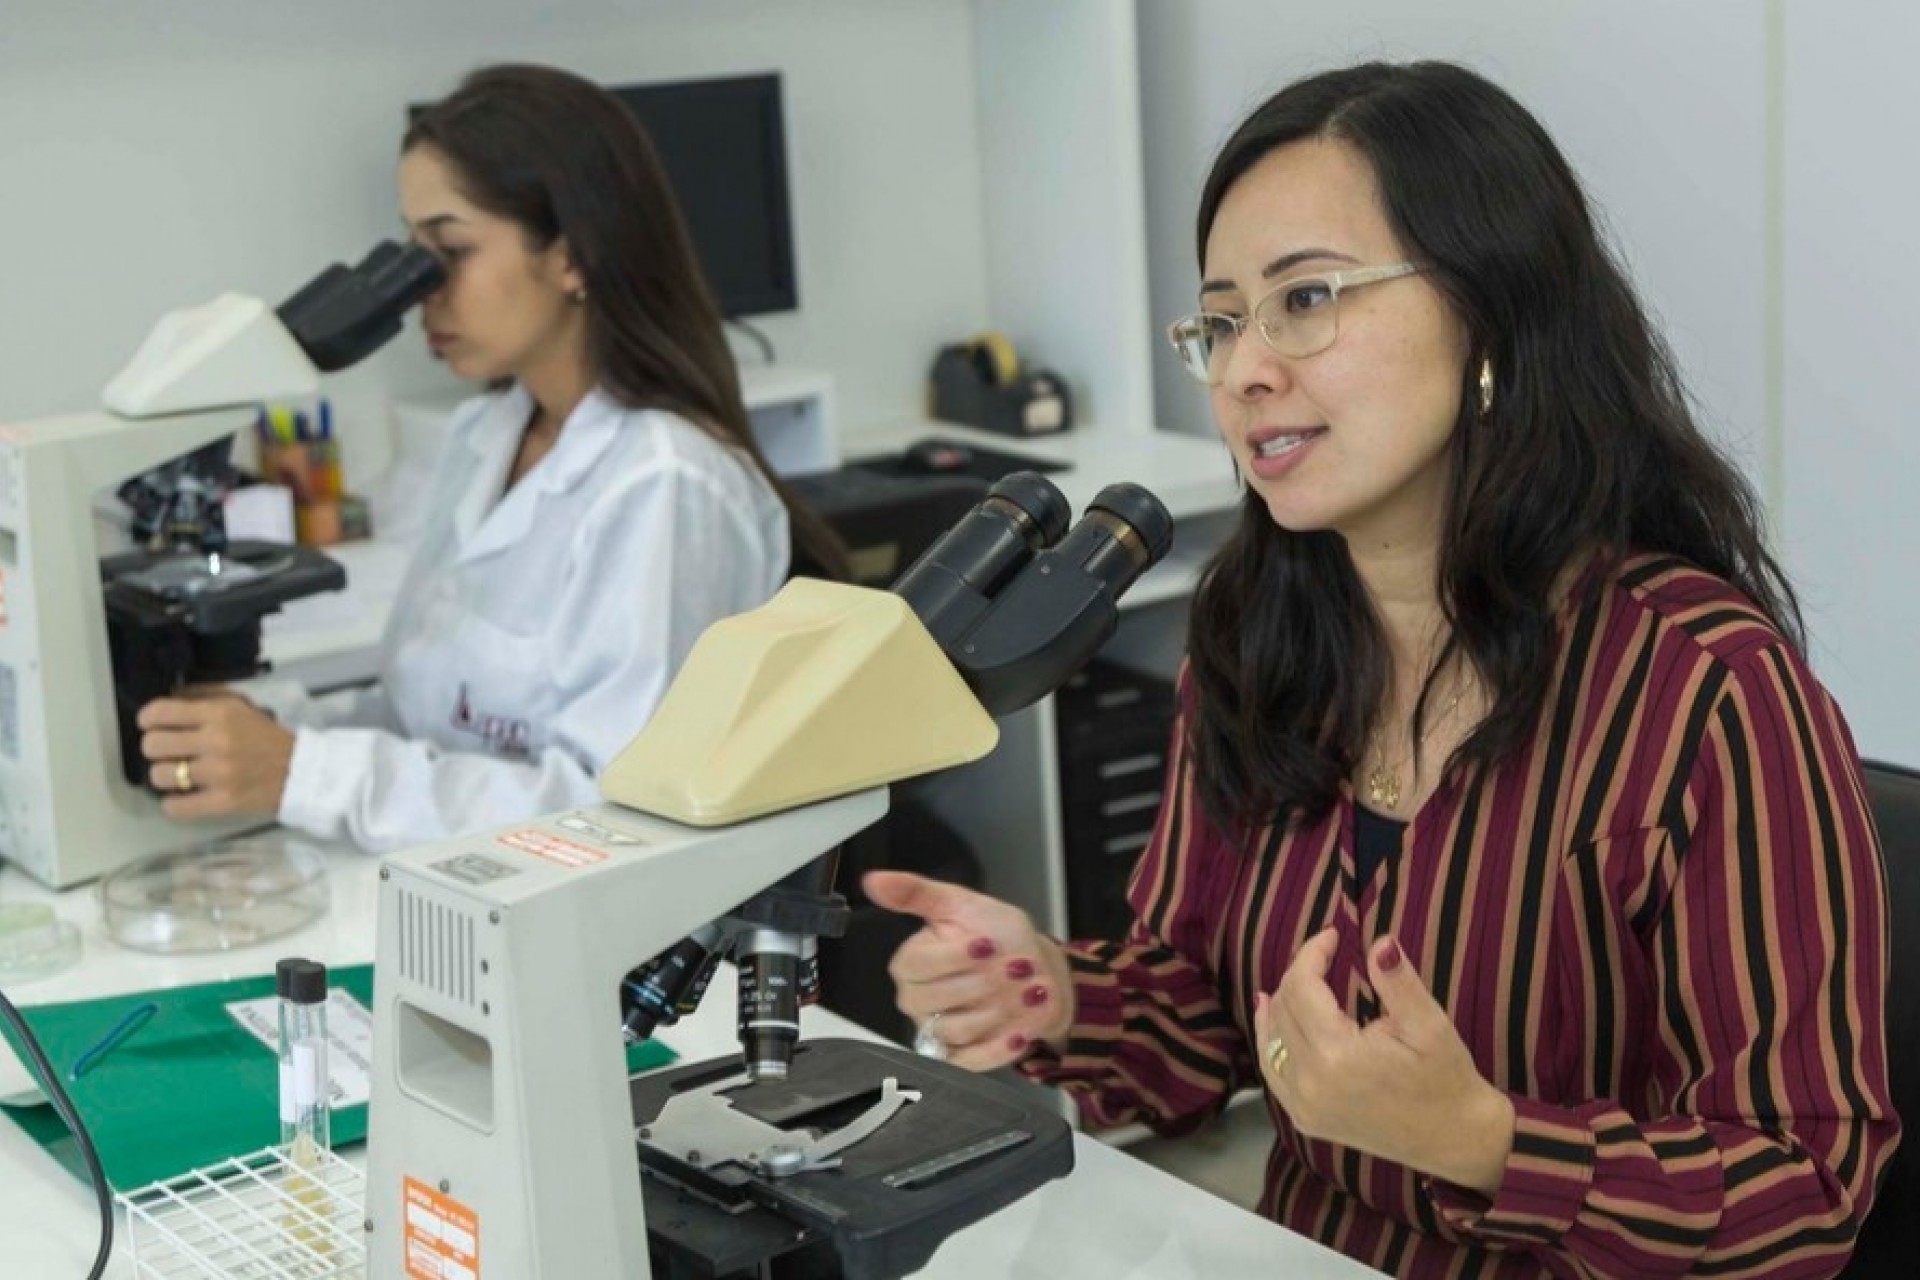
<point>1298,317</point>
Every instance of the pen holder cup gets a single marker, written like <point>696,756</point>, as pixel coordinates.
<point>311,468</point>
<point>323,511</point>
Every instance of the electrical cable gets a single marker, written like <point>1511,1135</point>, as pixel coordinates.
<point>63,1104</point>
<point>760,339</point>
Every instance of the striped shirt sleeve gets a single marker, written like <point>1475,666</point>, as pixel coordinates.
<point>1770,1118</point>
<point>1152,1040</point>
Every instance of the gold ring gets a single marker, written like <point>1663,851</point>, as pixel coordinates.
<point>1277,1054</point>
<point>183,775</point>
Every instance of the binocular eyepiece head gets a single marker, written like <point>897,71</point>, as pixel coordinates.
<point>1018,598</point>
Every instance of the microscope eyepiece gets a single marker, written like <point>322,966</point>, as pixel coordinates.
<point>1017,600</point>
<point>1035,497</point>
<point>1124,533</point>
<point>953,580</point>
<point>401,274</point>
<point>343,315</point>
<point>1142,513</point>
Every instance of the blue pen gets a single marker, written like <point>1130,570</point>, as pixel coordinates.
<point>326,420</point>
<point>136,1018</point>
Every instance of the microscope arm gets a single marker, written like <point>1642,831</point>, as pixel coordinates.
<point>1014,616</point>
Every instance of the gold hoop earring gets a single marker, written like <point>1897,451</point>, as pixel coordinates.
<point>1486,387</point>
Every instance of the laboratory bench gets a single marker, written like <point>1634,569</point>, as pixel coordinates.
<point>1113,1217</point>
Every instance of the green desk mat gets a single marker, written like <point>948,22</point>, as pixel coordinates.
<point>188,1090</point>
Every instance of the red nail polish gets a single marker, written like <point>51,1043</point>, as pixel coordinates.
<point>1390,956</point>
<point>1035,994</point>
<point>1017,1042</point>
<point>1019,968</point>
<point>980,948</point>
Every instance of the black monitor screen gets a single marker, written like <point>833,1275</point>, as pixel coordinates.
<point>724,148</point>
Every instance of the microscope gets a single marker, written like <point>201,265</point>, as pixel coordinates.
<point>504,1123</point>
<point>88,635</point>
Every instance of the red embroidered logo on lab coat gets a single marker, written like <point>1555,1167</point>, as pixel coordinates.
<point>502,735</point>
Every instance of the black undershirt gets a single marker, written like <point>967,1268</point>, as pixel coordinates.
<point>1376,838</point>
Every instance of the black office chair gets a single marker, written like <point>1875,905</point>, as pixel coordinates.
<point>1889,1244</point>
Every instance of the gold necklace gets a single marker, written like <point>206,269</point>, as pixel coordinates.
<point>1383,781</point>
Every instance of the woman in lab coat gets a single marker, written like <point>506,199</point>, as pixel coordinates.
<point>592,514</point>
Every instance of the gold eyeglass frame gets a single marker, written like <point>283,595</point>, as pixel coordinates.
<point>1180,332</point>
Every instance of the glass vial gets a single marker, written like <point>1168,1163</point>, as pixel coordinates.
<point>305,1112</point>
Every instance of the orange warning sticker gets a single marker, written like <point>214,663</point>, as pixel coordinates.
<point>442,1236</point>
<point>542,844</point>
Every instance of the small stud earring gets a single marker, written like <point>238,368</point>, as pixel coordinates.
<point>579,296</point>
<point>1486,387</point>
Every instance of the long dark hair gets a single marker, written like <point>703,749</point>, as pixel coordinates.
<point>562,157</point>
<point>1590,447</point>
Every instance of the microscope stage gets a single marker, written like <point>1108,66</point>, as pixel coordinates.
<point>969,1145</point>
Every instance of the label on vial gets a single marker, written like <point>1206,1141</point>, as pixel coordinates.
<point>349,1042</point>
<point>307,1092</point>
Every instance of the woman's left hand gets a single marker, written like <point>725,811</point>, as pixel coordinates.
<point>1404,1087</point>
<point>211,753</point>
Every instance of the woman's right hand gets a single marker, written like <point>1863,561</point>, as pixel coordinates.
<point>989,982</point>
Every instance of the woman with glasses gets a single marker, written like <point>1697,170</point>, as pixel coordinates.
<point>1509,845</point>
<point>593,512</point>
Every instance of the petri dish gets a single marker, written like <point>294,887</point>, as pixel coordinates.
<point>34,943</point>
<point>217,897</point>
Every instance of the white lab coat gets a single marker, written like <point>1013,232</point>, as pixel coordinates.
<point>536,632</point>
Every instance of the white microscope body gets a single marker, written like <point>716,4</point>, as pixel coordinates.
<point>502,1130</point>
<point>501,1135</point>
<point>501,1126</point>
<point>67,813</point>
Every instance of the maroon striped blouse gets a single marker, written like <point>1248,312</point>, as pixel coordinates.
<point>1662,930</point>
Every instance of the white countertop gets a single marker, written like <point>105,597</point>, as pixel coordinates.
<point>1191,475</point>
<point>1113,1218</point>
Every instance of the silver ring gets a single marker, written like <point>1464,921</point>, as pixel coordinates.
<point>927,1043</point>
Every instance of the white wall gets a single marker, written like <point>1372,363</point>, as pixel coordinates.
<point>153,155</point>
<point>1851,378</point>
<point>1656,105</point>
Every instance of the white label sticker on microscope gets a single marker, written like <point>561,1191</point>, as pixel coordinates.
<point>593,830</point>
<point>349,1042</point>
<point>474,868</point>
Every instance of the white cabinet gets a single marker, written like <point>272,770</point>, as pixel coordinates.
<point>791,414</point>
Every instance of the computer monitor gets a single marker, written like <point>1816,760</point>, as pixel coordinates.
<point>723,144</point>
